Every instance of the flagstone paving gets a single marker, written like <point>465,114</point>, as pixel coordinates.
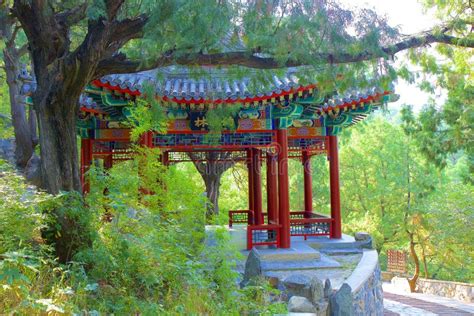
<point>408,304</point>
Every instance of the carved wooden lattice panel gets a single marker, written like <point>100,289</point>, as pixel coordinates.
<point>396,261</point>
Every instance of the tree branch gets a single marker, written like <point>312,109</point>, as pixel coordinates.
<point>113,6</point>
<point>125,30</point>
<point>72,16</point>
<point>120,64</point>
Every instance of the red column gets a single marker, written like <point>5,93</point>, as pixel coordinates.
<point>250,177</point>
<point>334,184</point>
<point>257,186</point>
<point>86,161</point>
<point>108,162</point>
<point>165,158</point>
<point>308,185</point>
<point>272,188</point>
<point>283,189</point>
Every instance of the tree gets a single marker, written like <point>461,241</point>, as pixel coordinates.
<point>283,34</point>
<point>24,126</point>
<point>211,170</point>
<point>445,129</point>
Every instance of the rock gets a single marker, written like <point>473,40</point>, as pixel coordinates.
<point>253,268</point>
<point>299,304</point>
<point>322,308</point>
<point>341,301</point>
<point>327,289</point>
<point>364,239</point>
<point>362,236</point>
<point>317,290</point>
<point>274,281</point>
<point>33,171</point>
<point>7,150</point>
<point>298,285</point>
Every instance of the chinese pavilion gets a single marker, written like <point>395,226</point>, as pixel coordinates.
<point>280,120</point>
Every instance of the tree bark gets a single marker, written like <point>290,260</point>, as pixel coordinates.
<point>213,184</point>
<point>23,139</point>
<point>211,170</point>
<point>58,145</point>
<point>425,264</point>
<point>416,274</point>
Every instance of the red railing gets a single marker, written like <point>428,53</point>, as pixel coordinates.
<point>261,235</point>
<point>297,215</point>
<point>240,217</point>
<point>316,226</point>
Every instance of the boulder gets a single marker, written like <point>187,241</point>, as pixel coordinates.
<point>327,289</point>
<point>341,301</point>
<point>322,308</point>
<point>299,304</point>
<point>362,236</point>
<point>33,171</point>
<point>364,239</point>
<point>298,285</point>
<point>253,268</point>
<point>317,290</point>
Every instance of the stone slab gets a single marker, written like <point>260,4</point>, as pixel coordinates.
<point>298,252</point>
<point>323,263</point>
<point>341,251</point>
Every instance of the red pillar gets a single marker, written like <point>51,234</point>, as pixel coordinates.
<point>334,184</point>
<point>165,158</point>
<point>257,186</point>
<point>86,161</point>
<point>108,162</point>
<point>250,177</point>
<point>283,189</point>
<point>272,188</point>
<point>308,185</point>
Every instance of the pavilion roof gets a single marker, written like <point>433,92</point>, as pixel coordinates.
<point>214,85</point>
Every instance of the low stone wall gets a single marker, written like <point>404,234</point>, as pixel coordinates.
<point>361,294</point>
<point>457,290</point>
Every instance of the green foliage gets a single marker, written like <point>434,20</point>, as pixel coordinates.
<point>6,127</point>
<point>147,115</point>
<point>390,188</point>
<point>21,220</point>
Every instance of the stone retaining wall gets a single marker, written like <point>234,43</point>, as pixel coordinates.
<point>361,294</point>
<point>457,290</point>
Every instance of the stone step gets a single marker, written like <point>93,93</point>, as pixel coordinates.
<point>298,252</point>
<point>341,251</point>
<point>324,262</point>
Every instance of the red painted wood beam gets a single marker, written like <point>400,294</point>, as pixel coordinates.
<point>272,188</point>
<point>257,186</point>
<point>308,184</point>
<point>336,231</point>
<point>283,189</point>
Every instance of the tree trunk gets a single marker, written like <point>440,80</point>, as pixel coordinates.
<point>414,278</point>
<point>32,122</point>
<point>60,171</point>
<point>213,183</point>
<point>58,144</point>
<point>211,170</point>
<point>23,141</point>
<point>425,264</point>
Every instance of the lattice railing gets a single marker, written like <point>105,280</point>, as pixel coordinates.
<point>240,217</point>
<point>260,235</point>
<point>207,140</point>
<point>310,227</point>
<point>297,215</point>
<point>120,150</point>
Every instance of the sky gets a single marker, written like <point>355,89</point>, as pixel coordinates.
<point>409,16</point>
